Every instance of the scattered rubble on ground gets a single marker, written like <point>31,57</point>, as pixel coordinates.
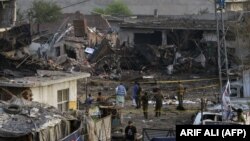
<point>20,118</point>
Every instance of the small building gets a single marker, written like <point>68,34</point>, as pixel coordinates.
<point>55,88</point>
<point>237,5</point>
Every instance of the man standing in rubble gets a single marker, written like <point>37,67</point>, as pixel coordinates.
<point>130,132</point>
<point>144,100</point>
<point>138,96</point>
<point>180,93</point>
<point>158,101</point>
<point>135,89</point>
<point>120,95</point>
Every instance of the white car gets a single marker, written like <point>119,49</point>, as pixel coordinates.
<point>205,118</point>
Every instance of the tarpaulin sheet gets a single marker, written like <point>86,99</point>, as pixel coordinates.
<point>75,136</point>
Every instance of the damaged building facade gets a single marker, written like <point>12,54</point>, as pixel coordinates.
<point>189,40</point>
<point>35,93</point>
<point>7,14</point>
<point>55,88</point>
<point>24,74</point>
<point>13,38</point>
<point>76,35</point>
<point>237,5</point>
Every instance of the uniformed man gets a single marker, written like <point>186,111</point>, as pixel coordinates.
<point>138,97</point>
<point>144,100</point>
<point>180,94</point>
<point>240,117</point>
<point>158,101</point>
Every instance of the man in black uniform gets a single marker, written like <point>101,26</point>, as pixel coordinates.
<point>130,132</point>
<point>181,91</point>
<point>144,100</point>
<point>158,99</point>
<point>138,97</point>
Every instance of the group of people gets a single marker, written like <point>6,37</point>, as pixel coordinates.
<point>130,130</point>
<point>139,100</point>
<point>90,99</point>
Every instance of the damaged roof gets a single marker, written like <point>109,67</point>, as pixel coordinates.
<point>91,21</point>
<point>52,27</point>
<point>43,78</point>
<point>192,22</point>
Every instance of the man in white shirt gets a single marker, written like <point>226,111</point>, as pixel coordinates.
<point>120,95</point>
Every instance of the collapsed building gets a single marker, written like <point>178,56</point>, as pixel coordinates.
<point>26,77</point>
<point>187,43</point>
<point>19,71</point>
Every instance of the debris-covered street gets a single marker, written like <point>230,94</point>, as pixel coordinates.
<point>116,70</point>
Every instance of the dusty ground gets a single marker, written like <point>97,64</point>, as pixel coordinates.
<point>170,116</point>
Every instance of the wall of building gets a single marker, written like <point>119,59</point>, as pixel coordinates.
<point>48,94</point>
<point>246,81</point>
<point>94,38</point>
<point>242,49</point>
<point>234,6</point>
<point>127,36</point>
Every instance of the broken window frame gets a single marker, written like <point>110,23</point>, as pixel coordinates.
<point>63,99</point>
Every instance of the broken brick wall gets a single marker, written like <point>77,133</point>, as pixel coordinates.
<point>94,38</point>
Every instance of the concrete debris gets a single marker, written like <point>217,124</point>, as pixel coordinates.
<point>22,118</point>
<point>173,102</point>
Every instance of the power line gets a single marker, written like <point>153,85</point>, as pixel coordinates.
<point>74,4</point>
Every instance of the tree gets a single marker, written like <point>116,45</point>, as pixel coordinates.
<point>116,7</point>
<point>44,11</point>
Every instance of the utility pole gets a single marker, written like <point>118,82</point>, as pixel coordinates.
<point>221,43</point>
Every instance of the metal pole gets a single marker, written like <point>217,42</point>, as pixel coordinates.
<point>218,48</point>
<point>86,88</point>
<point>224,43</point>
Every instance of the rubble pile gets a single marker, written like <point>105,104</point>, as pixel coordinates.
<point>150,57</point>
<point>20,117</point>
<point>100,53</point>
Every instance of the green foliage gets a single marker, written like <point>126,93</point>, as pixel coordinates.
<point>44,11</point>
<point>117,8</point>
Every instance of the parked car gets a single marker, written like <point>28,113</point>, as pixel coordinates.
<point>202,117</point>
<point>212,118</point>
